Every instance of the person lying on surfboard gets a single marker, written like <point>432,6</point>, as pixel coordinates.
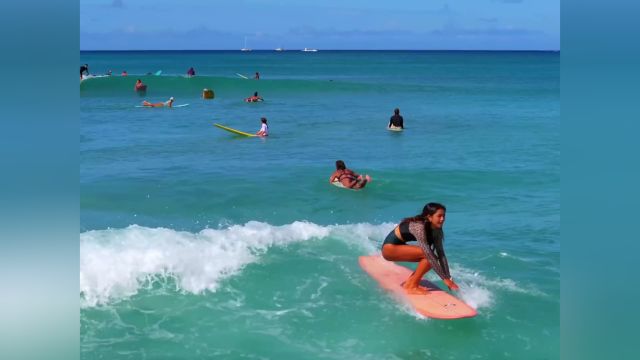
<point>347,177</point>
<point>167,103</point>
<point>426,229</point>
<point>264,128</point>
<point>253,98</point>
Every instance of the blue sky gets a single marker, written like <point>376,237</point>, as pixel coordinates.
<point>321,24</point>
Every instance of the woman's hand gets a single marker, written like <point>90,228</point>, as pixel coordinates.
<point>452,286</point>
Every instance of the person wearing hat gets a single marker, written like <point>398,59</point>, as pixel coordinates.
<point>168,103</point>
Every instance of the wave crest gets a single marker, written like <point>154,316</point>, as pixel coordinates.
<point>114,263</point>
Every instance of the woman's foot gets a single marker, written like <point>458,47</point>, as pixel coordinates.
<point>416,290</point>
<point>368,178</point>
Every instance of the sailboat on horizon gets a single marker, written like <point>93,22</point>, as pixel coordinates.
<point>245,48</point>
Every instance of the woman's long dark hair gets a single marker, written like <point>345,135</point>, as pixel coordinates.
<point>427,210</point>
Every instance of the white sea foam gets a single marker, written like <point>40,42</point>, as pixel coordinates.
<point>115,263</point>
<point>475,289</point>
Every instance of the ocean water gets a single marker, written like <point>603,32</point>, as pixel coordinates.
<point>198,244</point>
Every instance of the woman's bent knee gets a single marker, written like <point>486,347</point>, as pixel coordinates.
<point>387,252</point>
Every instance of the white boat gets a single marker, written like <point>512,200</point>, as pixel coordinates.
<point>309,50</point>
<point>279,49</point>
<point>245,48</point>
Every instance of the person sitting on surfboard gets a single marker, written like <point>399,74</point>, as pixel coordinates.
<point>168,103</point>
<point>191,72</point>
<point>396,120</point>
<point>347,177</point>
<point>253,98</point>
<point>140,86</point>
<point>426,229</point>
<point>264,128</point>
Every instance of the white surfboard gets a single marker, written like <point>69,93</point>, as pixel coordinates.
<point>174,106</point>
<point>337,183</point>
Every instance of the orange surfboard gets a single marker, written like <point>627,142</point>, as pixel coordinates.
<point>437,304</point>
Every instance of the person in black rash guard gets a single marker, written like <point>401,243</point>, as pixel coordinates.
<point>84,68</point>
<point>396,120</point>
<point>426,229</point>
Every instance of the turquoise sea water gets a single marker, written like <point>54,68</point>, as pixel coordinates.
<point>197,244</point>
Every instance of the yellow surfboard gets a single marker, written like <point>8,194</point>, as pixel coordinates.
<point>231,130</point>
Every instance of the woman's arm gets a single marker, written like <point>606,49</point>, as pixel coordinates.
<point>439,252</point>
<point>333,176</point>
<point>417,230</point>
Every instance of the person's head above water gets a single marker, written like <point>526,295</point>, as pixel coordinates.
<point>396,111</point>
<point>340,165</point>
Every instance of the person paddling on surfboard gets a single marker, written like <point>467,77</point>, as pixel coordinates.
<point>396,120</point>
<point>264,128</point>
<point>168,103</point>
<point>426,229</point>
<point>254,98</point>
<point>347,177</point>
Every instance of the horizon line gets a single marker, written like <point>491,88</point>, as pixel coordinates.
<point>319,50</point>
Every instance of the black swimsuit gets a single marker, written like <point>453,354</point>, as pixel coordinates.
<point>433,248</point>
<point>397,121</point>
<point>404,232</point>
